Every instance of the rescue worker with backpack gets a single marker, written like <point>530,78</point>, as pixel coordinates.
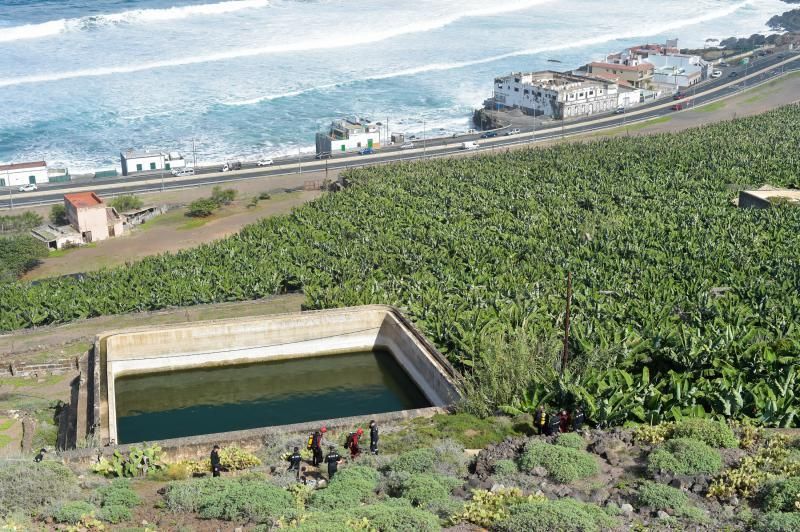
<point>540,420</point>
<point>315,446</point>
<point>352,443</point>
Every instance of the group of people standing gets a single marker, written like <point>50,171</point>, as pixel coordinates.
<point>333,458</point>
<point>563,421</point>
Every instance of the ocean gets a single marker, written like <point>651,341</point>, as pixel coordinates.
<point>82,80</point>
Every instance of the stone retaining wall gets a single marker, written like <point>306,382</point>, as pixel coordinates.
<point>37,369</point>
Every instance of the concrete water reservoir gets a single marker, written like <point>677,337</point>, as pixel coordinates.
<point>239,374</point>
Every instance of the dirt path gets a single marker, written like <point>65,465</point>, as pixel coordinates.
<point>172,231</point>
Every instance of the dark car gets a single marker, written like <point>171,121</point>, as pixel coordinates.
<point>366,151</point>
<point>323,155</point>
<point>733,74</point>
<point>679,96</point>
<point>488,135</point>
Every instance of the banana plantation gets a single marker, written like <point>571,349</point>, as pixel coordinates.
<point>683,303</point>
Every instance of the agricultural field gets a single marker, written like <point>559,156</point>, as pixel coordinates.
<point>683,304</point>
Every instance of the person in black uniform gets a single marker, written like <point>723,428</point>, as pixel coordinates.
<point>553,424</point>
<point>316,447</point>
<point>216,465</point>
<point>373,437</point>
<point>40,456</point>
<point>294,461</point>
<point>578,419</point>
<point>333,460</point>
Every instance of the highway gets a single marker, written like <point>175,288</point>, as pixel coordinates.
<point>734,80</point>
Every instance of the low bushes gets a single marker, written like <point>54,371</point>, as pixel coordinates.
<point>116,501</point>
<point>229,499</point>
<point>415,461</point>
<point>231,458</point>
<point>72,512</point>
<point>778,522</point>
<point>564,515</point>
<point>389,515</point>
<point>782,495</point>
<point>504,467</point>
<point>563,464</point>
<point>423,488</point>
<point>571,440</point>
<point>350,487</point>
<point>684,456</point>
<point>468,430</point>
<point>29,487</point>
<point>709,431</point>
<point>662,497</point>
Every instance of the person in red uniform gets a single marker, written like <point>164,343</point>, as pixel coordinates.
<point>564,421</point>
<point>352,443</point>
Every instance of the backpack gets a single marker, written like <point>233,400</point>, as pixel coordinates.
<point>310,444</point>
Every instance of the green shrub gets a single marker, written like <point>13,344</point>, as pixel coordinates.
<point>778,522</point>
<point>571,440</point>
<point>415,461</point>
<point>29,487</point>
<point>72,512</point>
<point>115,513</point>
<point>19,254</point>
<point>662,497</point>
<point>684,456</point>
<point>201,208</point>
<point>563,464</point>
<point>709,431</point>
<point>58,214</point>
<point>489,507</point>
<point>118,493</point>
<point>468,430</point>
<point>350,487</point>
<point>390,515</point>
<point>564,515</point>
<point>779,495</point>
<point>397,514</point>
<point>222,196</point>
<point>424,487</point>
<point>127,202</point>
<point>504,467</point>
<point>264,196</point>
<point>229,499</point>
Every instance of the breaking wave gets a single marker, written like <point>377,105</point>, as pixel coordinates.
<point>55,27</point>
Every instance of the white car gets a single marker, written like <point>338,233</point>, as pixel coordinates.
<point>30,187</point>
<point>265,162</point>
<point>514,131</point>
<point>716,74</point>
<point>407,145</point>
<point>180,172</point>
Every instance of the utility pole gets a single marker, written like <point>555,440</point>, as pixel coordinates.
<point>326,169</point>
<point>565,354</point>
<point>10,199</point>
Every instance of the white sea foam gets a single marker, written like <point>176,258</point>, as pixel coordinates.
<point>55,27</point>
<point>434,67</point>
<point>320,42</point>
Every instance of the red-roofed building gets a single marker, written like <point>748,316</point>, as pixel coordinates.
<point>17,174</point>
<point>91,217</point>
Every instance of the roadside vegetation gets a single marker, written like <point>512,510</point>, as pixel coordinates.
<point>683,305</point>
<point>592,480</point>
<point>127,202</point>
<point>204,207</point>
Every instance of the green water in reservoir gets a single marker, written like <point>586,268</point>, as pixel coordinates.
<point>205,400</point>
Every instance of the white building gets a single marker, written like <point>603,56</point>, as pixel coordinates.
<point>148,161</point>
<point>554,94</point>
<point>349,134</point>
<point>678,71</point>
<point>18,174</point>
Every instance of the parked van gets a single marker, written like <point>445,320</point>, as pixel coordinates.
<point>179,172</point>
<point>469,145</point>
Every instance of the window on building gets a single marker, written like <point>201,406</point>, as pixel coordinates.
<point>138,167</point>
<point>2,182</point>
<point>31,179</point>
<point>527,91</point>
<point>152,166</point>
<point>580,95</point>
<point>516,89</point>
<point>166,166</point>
<point>516,80</point>
<point>591,93</point>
